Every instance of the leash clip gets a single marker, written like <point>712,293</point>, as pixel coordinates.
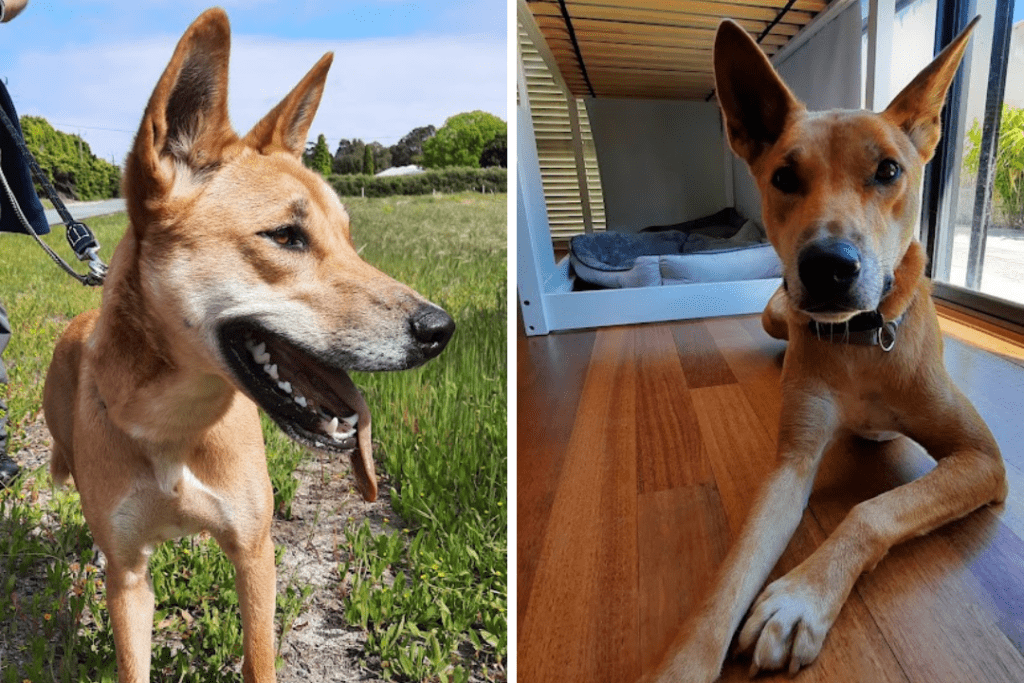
<point>887,336</point>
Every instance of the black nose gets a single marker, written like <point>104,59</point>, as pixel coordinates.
<point>828,268</point>
<point>431,328</point>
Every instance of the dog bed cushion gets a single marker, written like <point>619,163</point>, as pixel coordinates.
<point>673,257</point>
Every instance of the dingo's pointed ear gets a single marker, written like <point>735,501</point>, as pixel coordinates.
<point>186,120</point>
<point>755,101</point>
<point>287,124</point>
<point>917,108</point>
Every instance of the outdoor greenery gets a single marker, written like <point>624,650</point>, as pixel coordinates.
<point>462,139</point>
<point>368,166</point>
<point>430,591</point>
<point>354,157</point>
<point>1009,167</point>
<point>449,180</point>
<point>69,163</point>
<point>433,595</point>
<point>409,150</point>
<point>495,152</point>
<point>318,157</point>
<point>472,139</point>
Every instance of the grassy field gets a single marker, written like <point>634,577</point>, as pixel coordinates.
<point>430,592</point>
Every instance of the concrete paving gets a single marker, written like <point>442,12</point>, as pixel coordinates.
<point>82,210</point>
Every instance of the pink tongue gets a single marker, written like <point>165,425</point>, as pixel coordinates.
<point>362,459</point>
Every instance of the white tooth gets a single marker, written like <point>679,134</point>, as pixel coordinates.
<point>272,371</point>
<point>259,353</point>
<point>333,427</point>
<point>300,399</point>
<point>352,419</point>
<point>285,386</point>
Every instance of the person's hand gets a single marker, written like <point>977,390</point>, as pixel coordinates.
<point>11,8</point>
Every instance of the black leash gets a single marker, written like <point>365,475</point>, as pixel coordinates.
<point>81,239</point>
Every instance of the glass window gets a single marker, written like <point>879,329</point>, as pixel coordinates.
<point>986,252</point>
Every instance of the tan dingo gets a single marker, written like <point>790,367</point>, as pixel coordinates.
<point>840,205</point>
<point>235,285</point>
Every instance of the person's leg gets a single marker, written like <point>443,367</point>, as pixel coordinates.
<point>8,468</point>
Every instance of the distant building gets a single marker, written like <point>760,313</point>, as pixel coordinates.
<point>400,170</point>
<point>1014,96</point>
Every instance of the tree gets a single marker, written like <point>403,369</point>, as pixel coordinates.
<point>461,140</point>
<point>69,163</point>
<point>1009,170</point>
<point>368,160</point>
<point>409,149</point>
<point>495,152</point>
<point>348,159</point>
<point>320,157</point>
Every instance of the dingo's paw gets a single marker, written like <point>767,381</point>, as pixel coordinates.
<point>789,621</point>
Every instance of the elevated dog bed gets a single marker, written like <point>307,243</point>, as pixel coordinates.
<point>719,248</point>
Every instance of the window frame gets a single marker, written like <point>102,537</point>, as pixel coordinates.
<point>939,200</point>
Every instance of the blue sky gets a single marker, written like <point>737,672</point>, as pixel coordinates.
<point>89,67</point>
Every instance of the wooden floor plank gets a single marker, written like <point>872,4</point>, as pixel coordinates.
<point>740,449</point>
<point>702,362</point>
<point>756,361</point>
<point>550,371</point>
<point>928,610</point>
<point>683,536</point>
<point>669,449</point>
<point>582,620</point>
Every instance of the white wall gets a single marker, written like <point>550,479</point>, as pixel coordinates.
<point>661,161</point>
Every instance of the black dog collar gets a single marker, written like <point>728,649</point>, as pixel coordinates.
<point>864,329</point>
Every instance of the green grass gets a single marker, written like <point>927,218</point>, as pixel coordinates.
<point>433,595</point>
<point>431,592</point>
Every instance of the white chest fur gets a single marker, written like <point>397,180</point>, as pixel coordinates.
<point>172,503</point>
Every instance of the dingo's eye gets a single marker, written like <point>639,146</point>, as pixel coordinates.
<point>288,236</point>
<point>785,180</point>
<point>888,171</point>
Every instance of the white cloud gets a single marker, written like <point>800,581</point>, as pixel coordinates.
<point>378,89</point>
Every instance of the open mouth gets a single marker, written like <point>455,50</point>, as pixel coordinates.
<point>314,402</point>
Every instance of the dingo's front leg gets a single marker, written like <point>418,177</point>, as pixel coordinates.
<point>792,616</point>
<point>130,602</point>
<point>696,655</point>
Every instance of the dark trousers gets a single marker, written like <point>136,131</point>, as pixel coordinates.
<point>5,336</point>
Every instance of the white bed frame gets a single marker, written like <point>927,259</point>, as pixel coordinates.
<point>545,287</point>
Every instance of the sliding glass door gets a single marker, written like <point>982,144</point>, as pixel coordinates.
<point>974,192</point>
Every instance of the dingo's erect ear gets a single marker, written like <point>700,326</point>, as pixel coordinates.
<point>916,109</point>
<point>186,121</point>
<point>287,124</point>
<point>755,101</point>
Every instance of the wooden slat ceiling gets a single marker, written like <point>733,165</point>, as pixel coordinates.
<point>656,49</point>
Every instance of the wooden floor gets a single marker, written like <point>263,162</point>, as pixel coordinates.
<point>640,451</point>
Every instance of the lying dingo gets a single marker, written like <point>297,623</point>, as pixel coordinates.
<point>840,205</point>
<point>235,285</point>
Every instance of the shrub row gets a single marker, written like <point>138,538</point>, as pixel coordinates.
<point>69,163</point>
<point>448,181</point>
